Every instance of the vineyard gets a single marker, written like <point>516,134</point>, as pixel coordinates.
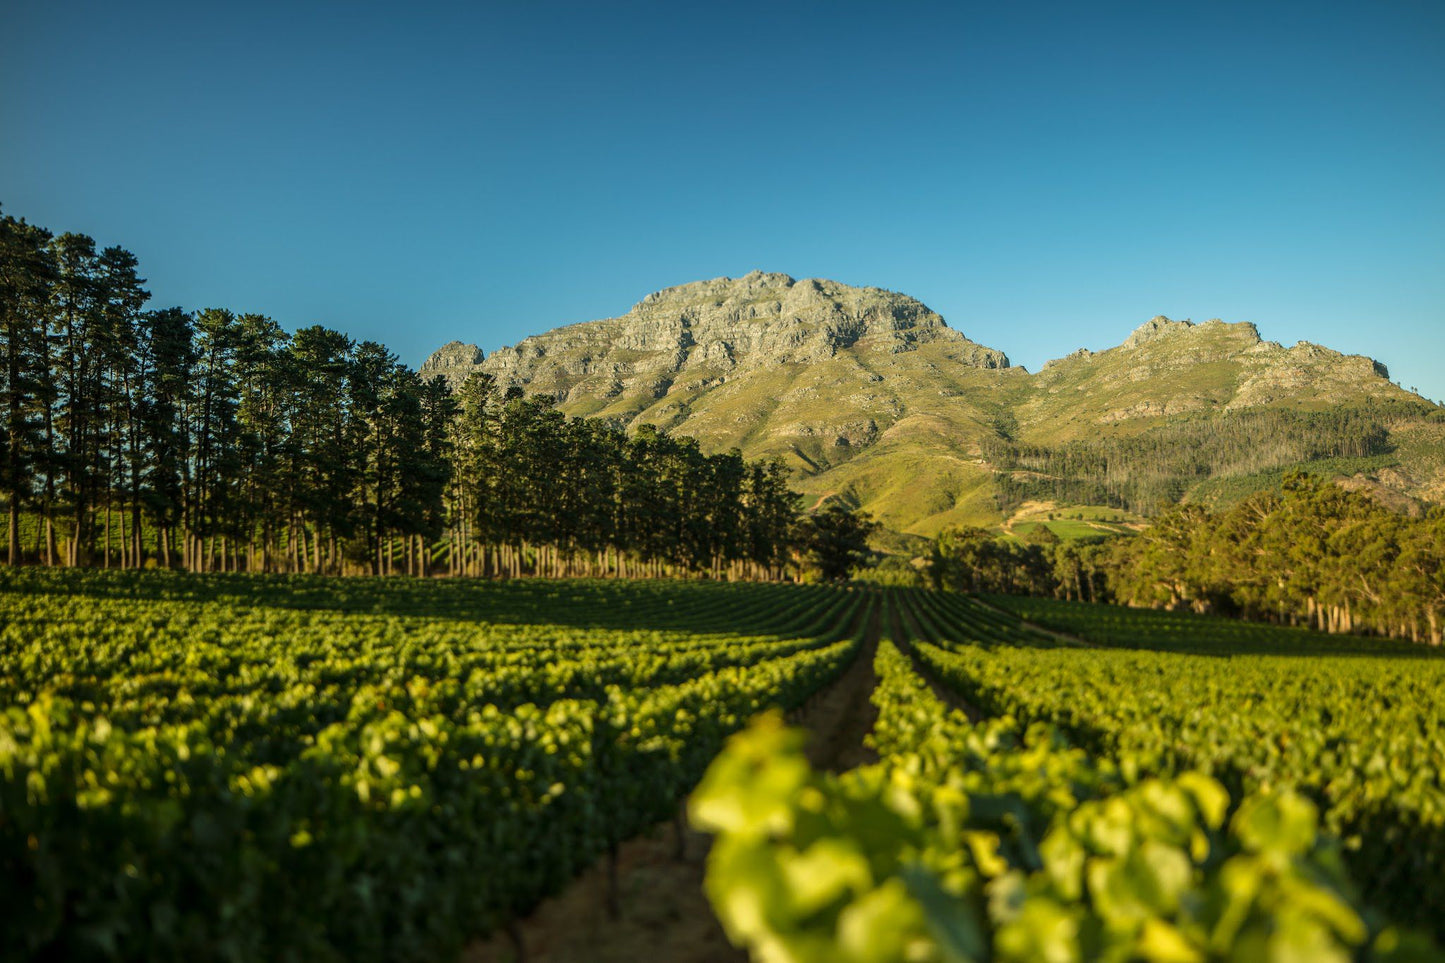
<point>1042,798</point>
<point>294,769</point>
<point>298,768</point>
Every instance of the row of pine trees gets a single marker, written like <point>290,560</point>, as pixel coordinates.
<point>214,441</point>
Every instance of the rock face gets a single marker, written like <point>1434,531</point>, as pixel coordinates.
<point>710,331</point>
<point>454,361</point>
<point>1155,328</point>
<point>873,398</point>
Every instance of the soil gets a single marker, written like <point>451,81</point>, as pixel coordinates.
<point>664,914</point>
<point>840,716</point>
<point>905,628</point>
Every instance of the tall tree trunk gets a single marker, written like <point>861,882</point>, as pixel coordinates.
<point>75,537</point>
<point>137,552</point>
<point>13,555</point>
<point>124,540</point>
<point>14,423</point>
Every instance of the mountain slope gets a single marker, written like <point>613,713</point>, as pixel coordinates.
<point>872,398</point>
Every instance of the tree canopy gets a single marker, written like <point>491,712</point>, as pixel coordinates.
<point>1308,552</point>
<point>835,540</point>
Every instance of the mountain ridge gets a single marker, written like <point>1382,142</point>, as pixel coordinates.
<point>874,398</point>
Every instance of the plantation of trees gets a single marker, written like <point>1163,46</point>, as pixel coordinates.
<point>219,442</point>
<point>1148,471</point>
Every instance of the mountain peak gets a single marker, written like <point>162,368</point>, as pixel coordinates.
<point>705,332</point>
<point>1156,327</point>
<point>754,284</point>
<point>453,360</point>
<point>1159,327</point>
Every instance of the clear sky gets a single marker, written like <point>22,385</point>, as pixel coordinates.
<point>1045,175</point>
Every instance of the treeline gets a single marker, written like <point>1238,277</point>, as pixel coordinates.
<point>219,442</point>
<point>1308,553</point>
<point>971,559</point>
<point>1146,472</point>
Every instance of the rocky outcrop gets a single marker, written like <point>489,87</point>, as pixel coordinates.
<point>1279,374</point>
<point>1155,328</point>
<point>711,331</point>
<point>1081,354</point>
<point>676,346</point>
<point>453,360</point>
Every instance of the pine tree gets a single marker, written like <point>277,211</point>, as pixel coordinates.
<point>321,477</point>
<point>836,540</point>
<point>167,342</point>
<point>215,451</point>
<point>262,415</point>
<point>77,304</point>
<point>27,273</point>
<point>120,387</point>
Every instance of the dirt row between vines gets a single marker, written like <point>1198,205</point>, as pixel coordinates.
<point>905,629</point>
<point>664,913</point>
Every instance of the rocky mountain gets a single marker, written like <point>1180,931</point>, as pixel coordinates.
<point>454,360</point>
<point>872,398</point>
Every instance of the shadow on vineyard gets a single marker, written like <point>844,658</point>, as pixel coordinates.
<point>577,603</point>
<point>1397,860</point>
<point>1119,627</point>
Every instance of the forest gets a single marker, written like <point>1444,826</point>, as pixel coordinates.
<point>1307,553</point>
<point>216,441</point>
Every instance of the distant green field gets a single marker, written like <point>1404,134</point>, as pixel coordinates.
<point>1071,522</point>
<point>32,534</point>
<point>1097,513</point>
<point>1067,529</point>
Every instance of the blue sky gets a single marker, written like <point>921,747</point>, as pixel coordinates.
<point>1045,175</point>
